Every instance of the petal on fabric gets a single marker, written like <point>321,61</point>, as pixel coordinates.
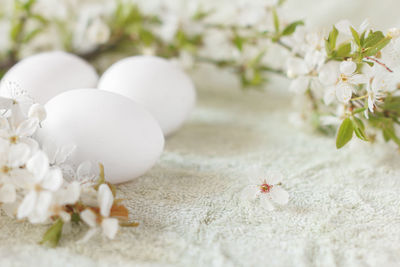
<point>89,234</point>
<point>52,180</point>
<point>266,203</point>
<point>89,217</point>
<point>27,205</point>
<point>7,193</point>
<point>105,200</point>
<point>18,155</point>
<point>38,165</point>
<point>279,195</point>
<point>273,177</point>
<point>348,67</point>
<point>250,192</point>
<point>344,92</point>
<point>110,227</point>
<point>27,127</point>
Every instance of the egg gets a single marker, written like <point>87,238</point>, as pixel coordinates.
<point>45,75</point>
<point>106,128</point>
<point>157,84</point>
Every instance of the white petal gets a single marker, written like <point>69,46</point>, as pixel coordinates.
<point>250,192</point>
<point>273,177</point>
<point>89,217</point>
<point>65,216</point>
<point>52,180</point>
<point>105,200</point>
<point>7,193</point>
<point>343,26</point>
<point>64,152</point>
<point>27,205</point>
<point>329,73</point>
<point>37,111</point>
<point>18,155</point>
<point>70,195</point>
<point>89,234</point>
<point>5,103</point>
<point>329,95</point>
<point>300,85</point>
<point>370,104</point>
<point>32,144</point>
<point>279,195</point>
<point>27,127</point>
<point>348,67</point>
<point>266,203</point>
<point>296,66</point>
<point>38,165</point>
<point>110,227</point>
<point>4,124</point>
<point>42,206</point>
<point>364,25</point>
<point>358,79</point>
<point>344,92</point>
<point>85,172</point>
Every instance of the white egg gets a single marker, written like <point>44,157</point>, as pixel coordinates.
<point>157,84</point>
<point>105,127</point>
<point>45,75</point>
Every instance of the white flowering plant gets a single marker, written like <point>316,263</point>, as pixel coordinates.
<point>42,188</point>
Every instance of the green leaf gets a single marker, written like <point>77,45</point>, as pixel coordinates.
<point>345,133</point>
<point>377,47</point>
<point>332,38</point>
<point>28,37</point>
<point>238,41</point>
<point>291,28</point>
<point>373,38</point>
<point>344,50</point>
<point>276,20</point>
<point>359,129</point>
<point>53,234</point>
<point>355,36</point>
<point>359,110</point>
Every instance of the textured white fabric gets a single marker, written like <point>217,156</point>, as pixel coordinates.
<point>344,207</point>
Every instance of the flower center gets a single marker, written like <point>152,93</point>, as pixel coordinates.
<point>265,188</point>
<point>13,139</point>
<point>343,78</point>
<point>5,169</point>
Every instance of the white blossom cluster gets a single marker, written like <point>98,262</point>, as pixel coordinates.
<point>39,185</point>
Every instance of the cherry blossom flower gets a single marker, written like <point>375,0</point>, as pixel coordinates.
<point>108,225</point>
<point>44,180</point>
<point>267,191</point>
<point>341,85</point>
